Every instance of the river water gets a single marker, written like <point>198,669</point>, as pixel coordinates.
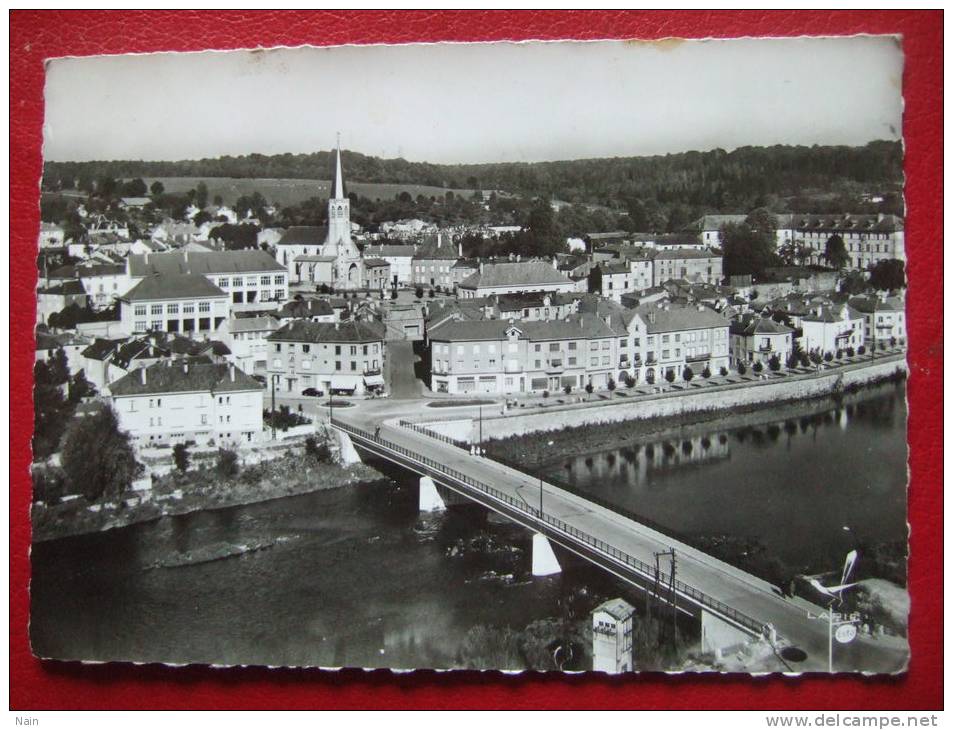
<point>355,577</point>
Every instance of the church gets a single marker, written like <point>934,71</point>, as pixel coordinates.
<point>325,254</point>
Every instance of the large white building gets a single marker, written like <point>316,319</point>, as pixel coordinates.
<point>829,328</point>
<point>188,304</point>
<point>514,277</point>
<point>884,320</point>
<point>175,401</point>
<point>248,277</point>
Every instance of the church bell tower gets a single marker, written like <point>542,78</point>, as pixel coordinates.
<point>339,209</point>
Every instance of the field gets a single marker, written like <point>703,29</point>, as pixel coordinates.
<point>285,191</point>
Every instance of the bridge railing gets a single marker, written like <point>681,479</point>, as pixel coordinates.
<point>699,597</point>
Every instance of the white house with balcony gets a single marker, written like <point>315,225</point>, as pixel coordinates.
<point>829,328</point>
<point>884,320</point>
<point>758,339</point>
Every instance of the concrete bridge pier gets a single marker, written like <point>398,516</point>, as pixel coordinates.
<point>347,454</point>
<point>720,637</point>
<point>429,499</point>
<point>544,559</point>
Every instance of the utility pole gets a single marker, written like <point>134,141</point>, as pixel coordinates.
<point>672,596</point>
<point>273,431</point>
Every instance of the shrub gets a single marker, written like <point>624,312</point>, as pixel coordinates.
<point>851,352</point>
<point>828,356</point>
<point>567,389</point>
<point>774,363</point>
<point>545,394</point>
<point>723,371</point>
<point>180,454</point>
<point>815,357</point>
<point>757,367</point>
<point>688,374</point>
<point>706,373</point>
<point>393,294</point>
<point>862,350</point>
<point>432,294</point>
<point>742,368</point>
<point>670,376</point>
<point>97,458</point>
<point>840,353</point>
<point>629,381</point>
<point>226,463</point>
<point>419,292</point>
<point>589,389</point>
<point>611,385</point>
<point>316,451</point>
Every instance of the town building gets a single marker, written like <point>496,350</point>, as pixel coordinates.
<point>56,298</point>
<point>758,339</point>
<point>332,357</point>
<point>689,264</point>
<point>312,309</point>
<point>399,256</point>
<point>51,235</point>
<point>177,401</point>
<point>830,328</point>
<point>247,338</point>
<point>868,238</point>
<point>499,356</point>
<point>376,274</point>
<point>184,303</point>
<point>433,264</point>
<point>103,282</point>
<point>708,227</point>
<point>248,277</point>
<point>884,321</point>
<point>512,277</point>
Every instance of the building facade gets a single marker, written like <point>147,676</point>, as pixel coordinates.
<point>758,339</point>
<point>344,357</point>
<point>884,321</point>
<point>188,304</point>
<point>177,401</point>
<point>514,277</point>
<point>829,328</point>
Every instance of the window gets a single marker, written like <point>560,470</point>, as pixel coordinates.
<point>605,359</point>
<point>364,350</point>
<point>172,308</point>
<point>337,364</point>
<point>476,364</point>
<point>266,281</point>
<point>353,364</point>
<point>205,306</point>
<point>236,281</point>
<point>664,338</point>
<point>204,420</point>
<point>572,345</point>
<point>606,344</point>
<point>156,325</point>
<point>678,338</point>
<point>140,310</point>
<point>279,280</point>
<point>665,354</point>
<point>140,325</point>
<point>223,282</point>
<point>538,347</point>
<point>277,347</point>
<point>155,309</point>
<point>554,347</point>
<point>306,348</point>
<point>251,281</point>
<point>572,361</point>
<point>188,308</point>
<point>593,346</point>
<point>594,362</point>
<point>337,349</point>
<point>353,349</point>
<point>276,363</point>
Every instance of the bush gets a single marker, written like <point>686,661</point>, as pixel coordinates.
<point>861,350</point>
<point>284,418</point>
<point>316,451</point>
<point>226,463</point>
<point>567,389</point>
<point>670,376</point>
<point>851,352</point>
<point>706,373</point>
<point>774,363</point>
<point>611,385</point>
<point>742,368</point>
<point>629,381</point>
<point>432,294</point>
<point>180,454</point>
<point>419,292</point>
<point>393,294</point>
<point>828,356</point>
<point>589,388</point>
<point>723,371</point>
<point>815,357</point>
<point>757,367</point>
<point>545,394</point>
<point>688,374</point>
<point>840,354</point>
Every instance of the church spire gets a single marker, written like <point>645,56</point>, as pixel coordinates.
<point>337,189</point>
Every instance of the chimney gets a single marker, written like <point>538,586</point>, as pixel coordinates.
<point>439,239</point>
<point>460,249</point>
<point>231,372</point>
<point>142,373</point>
<point>481,268</point>
<point>185,366</point>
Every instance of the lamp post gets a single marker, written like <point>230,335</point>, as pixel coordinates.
<point>539,468</point>
<point>274,377</point>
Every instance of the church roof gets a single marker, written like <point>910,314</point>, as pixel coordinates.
<point>304,236</point>
<point>337,187</point>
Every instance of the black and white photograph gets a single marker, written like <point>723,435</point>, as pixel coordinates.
<point>538,356</point>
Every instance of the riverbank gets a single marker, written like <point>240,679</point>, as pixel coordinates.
<point>532,450</point>
<point>176,493</point>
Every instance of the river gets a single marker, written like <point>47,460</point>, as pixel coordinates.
<point>355,577</point>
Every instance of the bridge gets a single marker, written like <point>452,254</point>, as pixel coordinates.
<point>734,607</point>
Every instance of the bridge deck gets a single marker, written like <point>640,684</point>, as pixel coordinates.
<point>615,542</point>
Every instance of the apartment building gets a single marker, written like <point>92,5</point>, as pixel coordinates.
<point>884,320</point>
<point>868,238</point>
<point>513,277</point>
<point>340,357</point>
<point>832,327</point>
<point>697,266</point>
<point>758,339</point>
<point>175,401</point>
<point>247,338</point>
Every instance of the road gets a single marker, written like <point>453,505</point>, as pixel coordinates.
<point>746,593</point>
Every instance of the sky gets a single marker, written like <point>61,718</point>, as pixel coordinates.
<point>486,102</point>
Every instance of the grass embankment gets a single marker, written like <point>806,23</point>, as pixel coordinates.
<point>197,489</point>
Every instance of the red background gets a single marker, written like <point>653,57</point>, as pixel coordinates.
<point>36,35</point>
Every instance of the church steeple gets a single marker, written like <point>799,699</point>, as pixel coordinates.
<point>337,188</point>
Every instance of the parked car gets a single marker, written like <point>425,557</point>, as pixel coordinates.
<point>312,392</point>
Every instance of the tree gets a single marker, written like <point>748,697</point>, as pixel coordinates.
<point>317,451</point>
<point>774,363</point>
<point>432,294</point>
<point>201,194</point>
<point>180,454</point>
<point>888,275</point>
<point>835,252</point>
<point>567,389</point>
<point>688,374</point>
<point>706,373</point>
<point>746,251</point>
<point>742,368</point>
<point>670,375</point>
<point>815,357</point>
<point>723,371</point>
<point>80,388</point>
<point>757,367</point>
<point>589,390</point>
<point>135,188</point>
<point>611,385</point>
<point>393,294</point>
<point>157,188</point>
<point>862,350</point>
<point>419,292</point>
<point>828,356</point>
<point>97,457</point>
<point>226,463</point>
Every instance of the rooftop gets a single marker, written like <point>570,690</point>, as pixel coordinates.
<point>199,262</point>
<point>301,330</point>
<point>173,286</point>
<point>182,376</point>
<point>514,273</point>
<point>304,236</point>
